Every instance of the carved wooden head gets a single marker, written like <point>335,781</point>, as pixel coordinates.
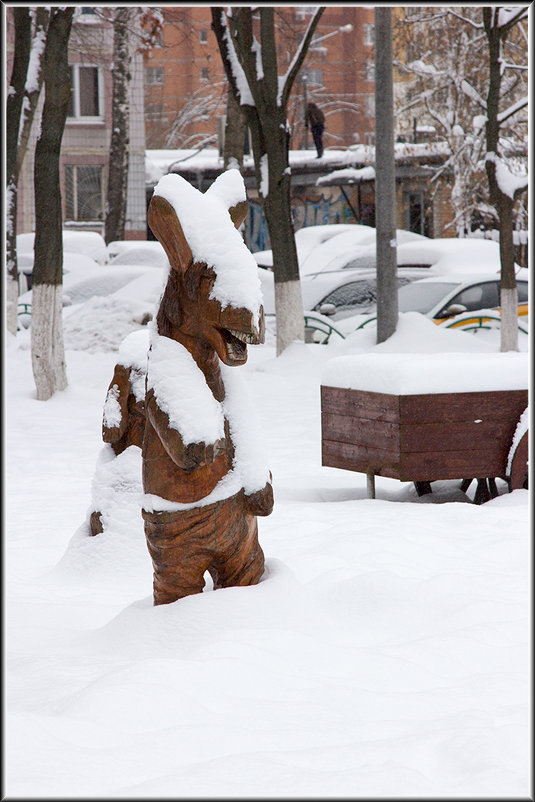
<point>188,306</point>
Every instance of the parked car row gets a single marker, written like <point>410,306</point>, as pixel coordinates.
<point>440,278</point>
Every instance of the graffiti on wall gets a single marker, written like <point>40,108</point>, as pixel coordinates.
<point>315,211</point>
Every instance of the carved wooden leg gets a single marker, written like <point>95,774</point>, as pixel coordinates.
<point>465,484</point>
<point>492,487</point>
<point>239,560</point>
<point>370,485</point>
<point>178,544</point>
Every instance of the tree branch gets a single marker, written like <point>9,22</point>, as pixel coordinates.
<point>299,57</point>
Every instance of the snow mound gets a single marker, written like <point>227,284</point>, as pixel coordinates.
<point>102,323</point>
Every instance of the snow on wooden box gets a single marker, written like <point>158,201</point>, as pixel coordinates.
<point>422,436</point>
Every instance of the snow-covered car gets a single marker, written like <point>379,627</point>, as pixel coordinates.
<point>310,237</point>
<point>72,263</point>
<point>137,252</point>
<point>80,286</point>
<point>352,249</point>
<point>446,297</point>
<point>87,243</point>
<point>444,255</point>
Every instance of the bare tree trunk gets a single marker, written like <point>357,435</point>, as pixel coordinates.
<point>385,184</point>
<point>266,115</point>
<point>502,203</point>
<point>48,358</point>
<point>21,59</point>
<point>120,138</point>
<point>235,133</point>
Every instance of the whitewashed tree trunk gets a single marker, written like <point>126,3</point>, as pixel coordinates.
<point>509,324</point>
<point>48,356</point>
<point>289,313</point>
<point>12,297</point>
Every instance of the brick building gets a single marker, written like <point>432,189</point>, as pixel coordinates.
<point>86,139</point>
<point>185,86</point>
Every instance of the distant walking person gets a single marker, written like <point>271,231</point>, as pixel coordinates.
<point>316,119</point>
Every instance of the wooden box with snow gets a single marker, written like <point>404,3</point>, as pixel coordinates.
<point>420,418</point>
<point>204,478</point>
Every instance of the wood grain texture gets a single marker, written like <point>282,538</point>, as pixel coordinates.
<point>419,438</point>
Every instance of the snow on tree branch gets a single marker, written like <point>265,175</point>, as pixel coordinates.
<point>465,19</point>
<point>520,104</point>
<point>510,184</point>
<point>473,94</point>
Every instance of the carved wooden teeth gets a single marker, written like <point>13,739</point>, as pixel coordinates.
<point>241,335</point>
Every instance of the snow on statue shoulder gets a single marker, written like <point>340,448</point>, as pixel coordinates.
<point>203,479</point>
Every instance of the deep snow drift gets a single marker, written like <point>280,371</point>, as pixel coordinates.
<point>385,653</point>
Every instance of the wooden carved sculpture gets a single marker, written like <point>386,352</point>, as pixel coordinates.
<point>117,476</point>
<point>203,488</point>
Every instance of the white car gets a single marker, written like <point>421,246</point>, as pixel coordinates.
<point>137,252</point>
<point>80,286</point>
<point>88,243</point>
<point>448,298</point>
<point>308,238</point>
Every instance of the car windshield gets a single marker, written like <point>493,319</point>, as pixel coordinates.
<point>355,296</point>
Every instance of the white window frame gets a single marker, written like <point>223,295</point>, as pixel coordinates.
<point>77,117</point>
<point>369,70</point>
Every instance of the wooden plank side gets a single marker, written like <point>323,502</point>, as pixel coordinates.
<point>496,405</point>
<point>360,431</point>
<point>360,403</point>
<point>363,459</point>
<point>455,436</point>
<point>430,466</point>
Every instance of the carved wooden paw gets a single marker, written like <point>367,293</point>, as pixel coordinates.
<point>261,502</point>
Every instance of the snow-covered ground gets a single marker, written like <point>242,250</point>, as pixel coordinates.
<point>386,652</point>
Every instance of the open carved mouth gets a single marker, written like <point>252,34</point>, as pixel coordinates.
<point>236,343</point>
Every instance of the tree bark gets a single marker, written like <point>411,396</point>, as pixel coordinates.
<point>385,184</point>
<point>21,59</point>
<point>48,360</point>
<point>116,202</point>
<point>502,202</point>
<point>235,133</point>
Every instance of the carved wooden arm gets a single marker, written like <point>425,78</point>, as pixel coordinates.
<point>194,455</point>
<point>120,380</point>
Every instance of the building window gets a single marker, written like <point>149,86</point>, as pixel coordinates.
<point>203,36</point>
<point>370,105</point>
<point>86,92</point>
<point>369,70</point>
<point>154,111</point>
<point>415,212</point>
<point>313,76</point>
<point>205,75</point>
<point>369,33</point>
<point>154,75</point>
<point>369,138</point>
<point>83,192</point>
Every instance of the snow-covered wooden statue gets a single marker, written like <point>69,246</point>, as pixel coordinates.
<point>117,479</point>
<point>203,476</point>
